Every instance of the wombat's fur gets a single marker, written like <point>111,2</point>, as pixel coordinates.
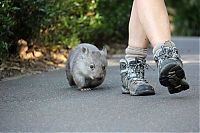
<point>86,66</point>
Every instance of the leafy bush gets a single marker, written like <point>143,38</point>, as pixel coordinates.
<point>6,19</point>
<point>6,23</point>
<point>71,22</point>
<point>29,16</point>
<point>115,17</point>
<point>20,20</point>
<point>186,16</point>
<point>3,48</point>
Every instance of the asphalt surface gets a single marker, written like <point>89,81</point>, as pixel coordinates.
<point>46,103</point>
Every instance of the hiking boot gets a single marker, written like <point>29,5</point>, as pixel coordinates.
<point>171,73</point>
<point>124,76</point>
<point>132,77</point>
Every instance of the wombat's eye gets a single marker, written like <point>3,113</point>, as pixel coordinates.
<point>103,67</point>
<point>92,66</point>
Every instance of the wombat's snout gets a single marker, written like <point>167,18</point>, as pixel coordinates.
<point>99,78</point>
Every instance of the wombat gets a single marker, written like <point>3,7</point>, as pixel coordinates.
<point>86,66</point>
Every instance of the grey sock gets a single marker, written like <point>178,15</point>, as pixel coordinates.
<point>167,43</point>
<point>132,52</point>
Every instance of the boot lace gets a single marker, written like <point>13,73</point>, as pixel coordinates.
<point>136,70</point>
<point>165,53</point>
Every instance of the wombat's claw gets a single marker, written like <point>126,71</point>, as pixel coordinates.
<point>85,89</point>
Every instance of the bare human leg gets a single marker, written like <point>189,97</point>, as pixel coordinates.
<point>154,19</point>
<point>137,35</point>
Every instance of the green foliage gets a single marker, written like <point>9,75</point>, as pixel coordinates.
<point>6,20</point>
<point>71,22</point>
<point>28,17</point>
<point>115,17</point>
<point>3,49</point>
<point>186,16</point>
<point>20,19</point>
<point>6,23</point>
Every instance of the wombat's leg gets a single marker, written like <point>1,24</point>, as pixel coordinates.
<point>70,78</point>
<point>71,81</point>
<point>79,80</point>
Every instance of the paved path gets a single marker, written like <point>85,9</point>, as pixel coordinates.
<point>45,102</point>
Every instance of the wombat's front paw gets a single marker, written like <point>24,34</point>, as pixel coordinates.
<point>85,89</point>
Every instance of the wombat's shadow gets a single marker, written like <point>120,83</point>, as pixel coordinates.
<point>98,88</point>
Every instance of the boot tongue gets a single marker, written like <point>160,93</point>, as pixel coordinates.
<point>136,59</point>
<point>136,69</point>
<point>130,60</point>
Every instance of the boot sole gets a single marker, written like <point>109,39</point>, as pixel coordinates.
<point>140,93</point>
<point>143,93</point>
<point>172,77</point>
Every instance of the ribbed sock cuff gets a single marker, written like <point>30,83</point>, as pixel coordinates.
<point>132,52</point>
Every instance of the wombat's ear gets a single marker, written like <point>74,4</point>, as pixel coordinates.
<point>104,51</point>
<point>85,50</point>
